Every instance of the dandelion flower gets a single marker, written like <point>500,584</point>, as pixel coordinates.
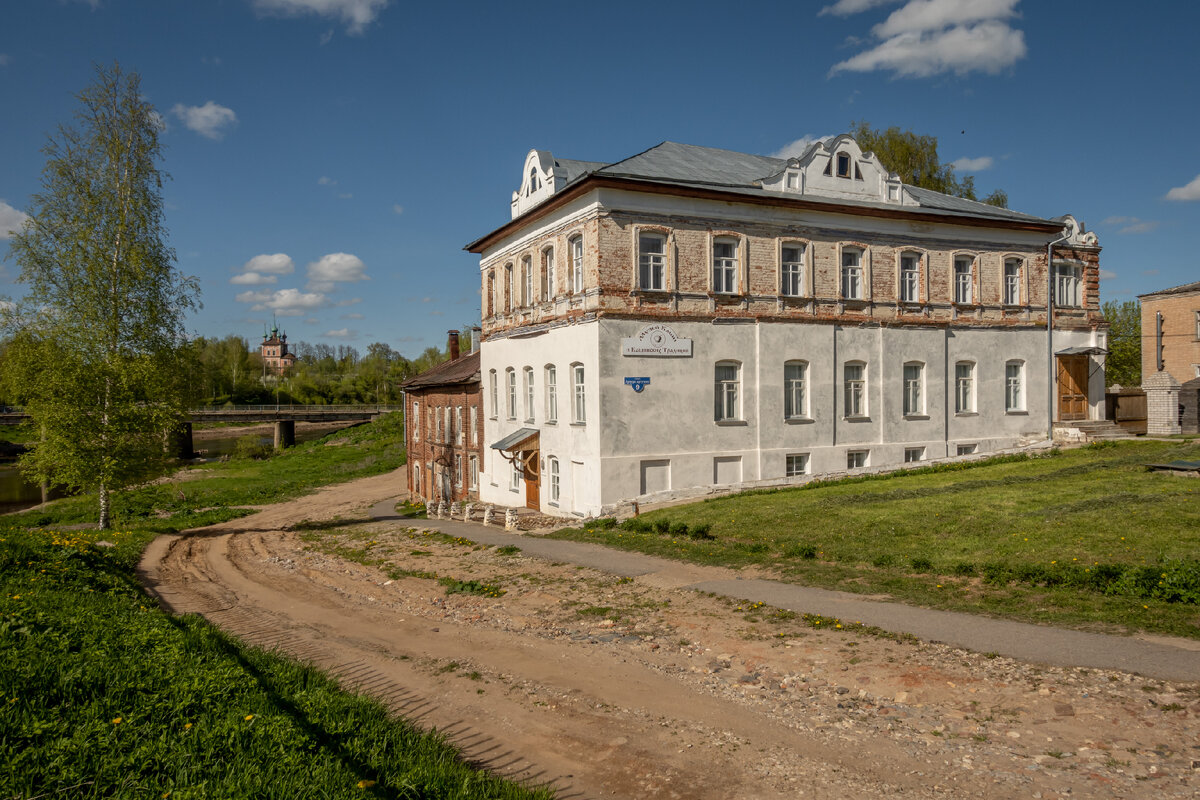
<point>365,784</point>
<point>116,720</point>
<point>249,717</point>
<point>187,726</point>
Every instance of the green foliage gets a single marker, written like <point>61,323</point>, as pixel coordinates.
<point>915,159</point>
<point>96,357</point>
<point>102,694</point>
<point>455,586</point>
<point>252,447</point>
<point>1124,363</point>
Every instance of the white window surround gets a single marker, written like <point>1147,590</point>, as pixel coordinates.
<point>652,261</point>
<point>914,389</point>
<point>1014,269</point>
<point>509,287</point>
<point>555,479</point>
<point>575,248</point>
<point>727,379</point>
<point>964,279</point>
<point>909,277</point>
<point>966,449</point>
<point>795,464</point>
<point>852,273</point>
<point>551,394</point>
<point>578,395</point>
<point>795,390</point>
<point>529,393</point>
<point>416,421</point>
<point>964,387</point>
<point>547,277</point>
<point>914,454</point>
<point>1014,386</point>
<point>494,392</point>
<point>854,379</point>
<point>458,427</point>
<point>527,281</point>
<point>514,478</point>
<point>474,416</point>
<point>1068,285</point>
<point>857,459</point>
<point>510,378</point>
<point>791,269</point>
<point>726,272</point>
<point>473,463</point>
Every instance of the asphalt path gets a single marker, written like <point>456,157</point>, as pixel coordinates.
<point>1165,658</point>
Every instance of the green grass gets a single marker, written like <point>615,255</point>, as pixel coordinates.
<point>102,694</point>
<point>1086,537</point>
<point>341,456</point>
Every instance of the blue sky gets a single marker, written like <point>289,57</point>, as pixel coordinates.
<point>330,158</point>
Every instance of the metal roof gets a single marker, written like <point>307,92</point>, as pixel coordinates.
<point>517,437</point>
<point>1187,287</point>
<point>461,371</point>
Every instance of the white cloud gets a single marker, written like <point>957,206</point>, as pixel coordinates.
<point>797,147</point>
<point>253,297</point>
<point>311,321</point>
<point>399,209</point>
<point>253,279</point>
<point>1107,275</point>
<point>344,195</point>
<point>844,8</point>
<point>349,301</point>
<point>335,268</point>
<point>326,37</point>
<point>209,120</point>
<point>353,315</point>
<point>11,220</point>
<point>973,164</point>
<point>271,264</point>
<point>1190,191</point>
<point>1132,224</point>
<point>284,302</point>
<point>341,333</point>
<point>931,37</point>
<point>356,14</point>
<point>326,181</point>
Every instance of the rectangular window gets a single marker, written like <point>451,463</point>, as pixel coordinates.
<point>964,387</point>
<point>797,464</point>
<point>555,480</point>
<point>795,390</point>
<point>852,278</point>
<point>967,449</point>
<point>1014,386</point>
<point>551,394</point>
<point>1198,324</point>
<point>473,461</point>
<point>910,278</point>
<point>458,426</point>
<point>509,287</point>
<point>913,454</point>
<point>855,380</point>
<point>474,416</point>
<point>857,459</point>
<point>492,391</point>
<point>529,392</point>
<point>914,389</point>
<point>511,377</point>
<point>417,478</point>
<point>514,478</point>
<point>416,421</point>
<point>791,270</point>
<point>576,246</point>
<point>1068,291</point>
<point>725,267</point>
<point>526,281</point>
<point>1012,282</point>
<point>963,280</point>
<point>652,259</point>
<point>458,474</point>
<point>579,404</point>
<point>547,286</point>
<point>726,393</point>
<point>448,430</point>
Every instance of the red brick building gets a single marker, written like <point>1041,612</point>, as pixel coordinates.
<point>444,428</point>
<point>1171,358</point>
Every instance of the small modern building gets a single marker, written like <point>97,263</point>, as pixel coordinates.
<point>443,433</point>
<point>692,317</point>
<point>1171,358</point>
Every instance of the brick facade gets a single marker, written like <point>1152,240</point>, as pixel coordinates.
<point>1180,310</point>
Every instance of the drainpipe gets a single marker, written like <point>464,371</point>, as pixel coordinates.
<point>1050,335</point>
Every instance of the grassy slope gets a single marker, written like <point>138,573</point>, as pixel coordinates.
<point>933,536</point>
<point>104,694</point>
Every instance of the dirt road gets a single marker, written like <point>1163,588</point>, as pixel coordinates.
<point>617,687</point>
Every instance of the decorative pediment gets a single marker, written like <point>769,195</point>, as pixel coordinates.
<point>838,167</point>
<point>538,181</point>
<point>1077,233</point>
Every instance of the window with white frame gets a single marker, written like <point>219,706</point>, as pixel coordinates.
<point>448,428</point>
<point>852,273</point>
<point>854,379</point>
<point>458,472</point>
<point>1014,386</point>
<point>914,389</point>
<point>725,266</point>
<point>547,276</point>
<point>555,479</point>
<point>575,245</point>
<point>514,477</point>
<point>416,421</point>
<point>578,395</point>
<point>529,401</point>
<point>913,454</point>
<point>964,279</point>
<point>436,432</point>
<point>1012,281</point>
<point>527,281</point>
<point>458,425</point>
<point>964,387</point>
<point>966,449</point>
<point>857,459</point>
<point>1068,285</point>
<point>727,399</point>
<point>474,417</point>
<point>510,377</point>
<point>509,287</point>
<point>473,472</point>
<point>795,390</point>
<point>910,278</point>
<point>493,393</point>
<point>551,394</point>
<point>791,270</point>
<point>417,478</point>
<point>796,464</point>
<point>652,261</point>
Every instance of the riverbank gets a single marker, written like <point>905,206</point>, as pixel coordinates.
<point>219,431</point>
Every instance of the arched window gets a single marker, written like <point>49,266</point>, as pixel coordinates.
<point>852,273</point>
<point>964,279</point>
<point>527,281</point>
<point>1012,281</point>
<point>575,246</point>
<point>795,390</point>
<point>555,489</point>
<point>727,395</point>
<point>578,395</point>
<point>791,269</point>
<point>489,293</point>
<point>492,391</point>
<point>528,372</point>
<point>551,394</point>
<point>510,377</point>
<point>547,276</point>
<point>508,287</point>
<point>910,277</point>
<point>534,183</point>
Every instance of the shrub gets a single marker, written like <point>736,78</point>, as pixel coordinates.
<point>794,550</point>
<point>921,564</point>
<point>883,560</point>
<point>662,525</point>
<point>251,447</point>
<point>701,531</point>
<point>636,525</point>
<point>602,524</point>
<point>963,568</point>
<point>679,529</point>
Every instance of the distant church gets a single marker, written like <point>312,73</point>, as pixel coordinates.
<point>275,355</point>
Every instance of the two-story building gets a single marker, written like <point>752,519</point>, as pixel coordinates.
<point>692,316</point>
<point>1171,358</point>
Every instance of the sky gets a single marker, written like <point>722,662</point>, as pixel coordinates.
<point>330,159</point>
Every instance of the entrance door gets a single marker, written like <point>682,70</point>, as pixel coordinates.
<point>1072,387</point>
<point>532,475</point>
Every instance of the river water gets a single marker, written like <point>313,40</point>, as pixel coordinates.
<point>17,493</point>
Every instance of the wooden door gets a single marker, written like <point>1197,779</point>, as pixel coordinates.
<point>532,476</point>
<point>1072,387</point>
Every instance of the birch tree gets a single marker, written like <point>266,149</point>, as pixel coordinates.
<point>96,357</point>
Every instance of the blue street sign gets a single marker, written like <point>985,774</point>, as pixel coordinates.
<point>637,383</point>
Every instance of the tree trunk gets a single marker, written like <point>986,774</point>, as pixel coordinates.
<point>104,523</point>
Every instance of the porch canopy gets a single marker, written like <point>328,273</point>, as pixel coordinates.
<point>1083,351</point>
<point>514,441</point>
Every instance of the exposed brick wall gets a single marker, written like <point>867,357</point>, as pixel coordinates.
<point>429,442</point>
<point>1181,347</point>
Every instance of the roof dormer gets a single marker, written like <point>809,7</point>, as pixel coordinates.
<point>838,167</point>
<point>538,181</point>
